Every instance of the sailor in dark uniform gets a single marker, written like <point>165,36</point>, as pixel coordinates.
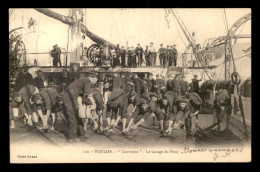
<point>123,53</point>
<point>162,56</point>
<point>139,54</point>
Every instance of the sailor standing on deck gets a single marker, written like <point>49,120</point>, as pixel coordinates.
<point>139,54</point>
<point>175,55</point>
<point>168,50</point>
<point>123,82</point>
<point>162,56</point>
<point>123,53</point>
<point>116,82</point>
<point>55,53</point>
<point>129,57</point>
<point>152,55</point>
<point>80,87</point>
<point>38,81</point>
<point>176,86</point>
<point>138,84</point>
<point>195,84</point>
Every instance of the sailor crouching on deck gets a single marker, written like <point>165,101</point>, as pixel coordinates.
<point>182,112</point>
<point>80,87</point>
<point>222,107</point>
<point>138,116</point>
<point>116,108</point>
<point>27,107</point>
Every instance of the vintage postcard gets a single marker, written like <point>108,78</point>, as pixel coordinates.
<point>129,85</point>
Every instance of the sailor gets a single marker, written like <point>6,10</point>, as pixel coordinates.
<point>139,54</point>
<point>129,83</point>
<point>74,73</point>
<point>116,108</point>
<point>28,107</point>
<point>176,87</point>
<point>130,57</point>
<point>80,87</point>
<point>138,84</point>
<point>123,53</point>
<point>195,102</point>
<point>123,82</point>
<point>222,107</point>
<point>63,81</point>
<point>184,85</point>
<point>147,57</point>
<point>171,56</point>
<point>145,83</point>
<point>175,55</point>
<point>138,116</point>
<point>47,97</point>
<point>184,118</point>
<point>169,83</point>
<point>38,81</point>
<point>22,79</point>
<point>152,54</point>
<point>151,83</point>
<point>118,53</point>
<point>55,53</point>
<point>162,55</point>
<point>159,84</point>
<point>99,103</point>
<point>195,84</point>
<point>116,82</point>
<point>152,98</point>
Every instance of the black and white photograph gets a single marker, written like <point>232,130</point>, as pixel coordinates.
<point>129,85</point>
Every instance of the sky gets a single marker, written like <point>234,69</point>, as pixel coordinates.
<point>133,25</point>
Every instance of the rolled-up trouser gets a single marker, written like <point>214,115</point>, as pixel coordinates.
<point>71,111</point>
<point>113,113</point>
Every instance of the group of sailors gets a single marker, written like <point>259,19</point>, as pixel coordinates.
<point>171,103</point>
<point>137,56</point>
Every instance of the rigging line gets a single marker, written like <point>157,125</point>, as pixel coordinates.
<point>122,24</point>
<point>225,24</point>
<point>234,59</point>
<point>179,32</point>
<point>239,33</point>
<point>220,72</point>
<point>164,31</point>
<point>226,19</point>
<point>116,25</point>
<point>234,65</point>
<point>190,37</point>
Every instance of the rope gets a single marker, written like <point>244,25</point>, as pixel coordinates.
<point>223,17</point>
<point>220,71</point>
<point>226,19</point>
<point>234,59</point>
<point>178,31</point>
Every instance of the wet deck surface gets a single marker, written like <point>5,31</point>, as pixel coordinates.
<point>145,135</point>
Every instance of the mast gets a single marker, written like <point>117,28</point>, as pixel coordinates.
<point>192,44</point>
